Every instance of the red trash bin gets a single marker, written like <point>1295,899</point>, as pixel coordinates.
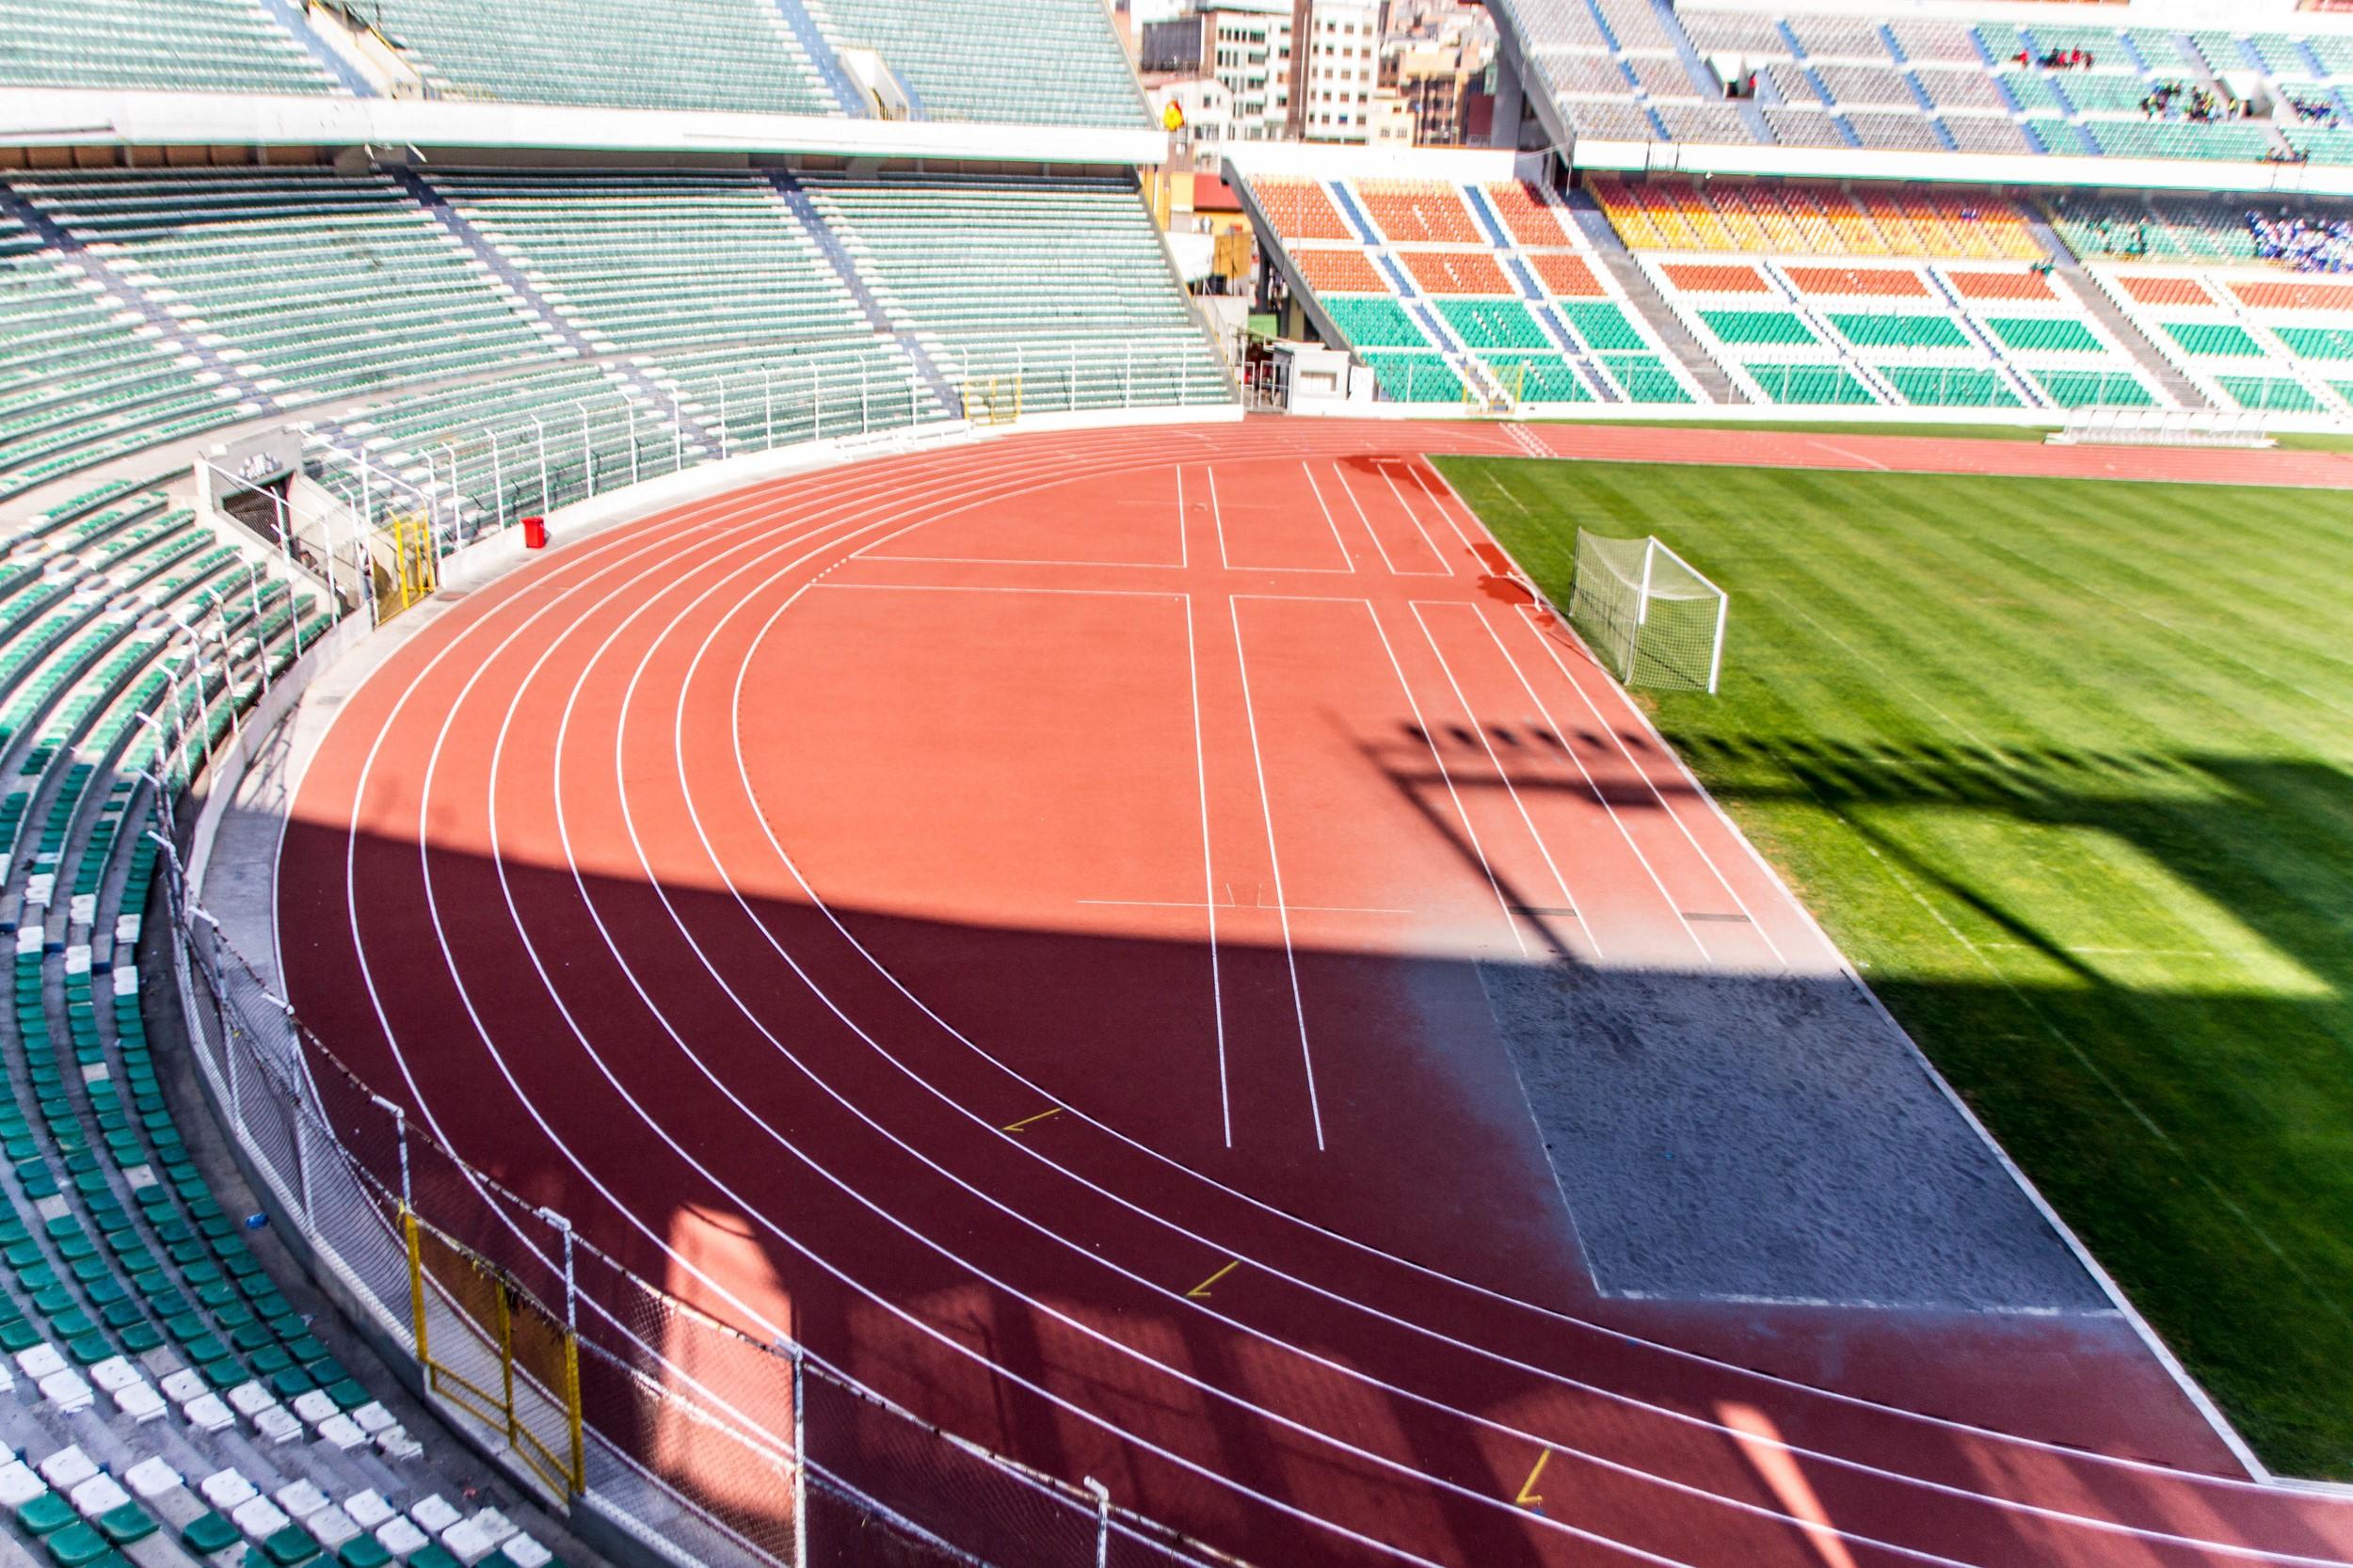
<point>534,532</point>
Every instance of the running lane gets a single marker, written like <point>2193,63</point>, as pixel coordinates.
<point>1054,948</point>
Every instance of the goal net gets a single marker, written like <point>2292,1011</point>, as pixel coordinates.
<point>1651,616</point>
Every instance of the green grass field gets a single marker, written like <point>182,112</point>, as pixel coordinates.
<point>1957,430</point>
<point>2064,766</point>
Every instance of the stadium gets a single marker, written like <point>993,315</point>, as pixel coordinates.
<point>776,823</point>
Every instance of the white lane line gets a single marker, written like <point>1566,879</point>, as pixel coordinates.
<point>1274,864</point>
<point>1208,875</point>
<point>1592,788</point>
<point>1673,812</point>
<point>1329,520</point>
<point>1471,713</point>
<point>1446,567</point>
<point>1217,518</point>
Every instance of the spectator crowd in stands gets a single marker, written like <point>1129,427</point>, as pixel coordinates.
<point>2195,102</point>
<point>2058,60</point>
<point>2314,111</point>
<point>2306,245</point>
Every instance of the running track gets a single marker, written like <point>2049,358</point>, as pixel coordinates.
<point>1006,916</point>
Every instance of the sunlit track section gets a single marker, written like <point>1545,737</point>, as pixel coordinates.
<point>646,864</point>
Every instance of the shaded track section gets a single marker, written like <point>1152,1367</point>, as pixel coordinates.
<point>1012,920</point>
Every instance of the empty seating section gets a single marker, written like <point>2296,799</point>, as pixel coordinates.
<point>1893,282</point>
<point>317,284</point>
<point>1329,269</point>
<point>1673,214</point>
<point>162,1400</point>
<point>1416,377</point>
<point>1569,275</point>
<point>1491,323</point>
<point>1020,61</point>
<point>2281,294</point>
<point>1808,383</point>
<point>1534,318</point>
<point>1950,386</point>
<point>1908,330</point>
<point>2164,289</point>
<point>1456,271</point>
<point>1571,74</point>
<point>1379,322</point>
<point>1895,130</point>
<point>1527,215</point>
<point>82,380</point>
<point>1973,132</point>
<point>728,54</point>
<point>1538,378</point>
<point>1406,211</point>
<point>1756,326</point>
<point>960,263</point>
<point>2093,389</point>
<point>1299,210</point>
<point>1709,122</point>
<point>656,261</point>
<point>2044,334</point>
<point>1999,285</point>
<point>1612,121</point>
<point>212,45</point>
<point>2235,141</point>
<point>1709,277</point>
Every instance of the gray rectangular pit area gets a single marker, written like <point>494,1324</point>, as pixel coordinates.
<point>1768,1138</point>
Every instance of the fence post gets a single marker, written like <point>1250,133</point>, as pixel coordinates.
<point>800,1454</point>
<point>587,451</point>
<point>572,1428</point>
<point>416,1292</point>
<point>1102,1496</point>
<point>538,425</point>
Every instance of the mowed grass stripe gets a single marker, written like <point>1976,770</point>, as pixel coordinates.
<point>2064,765</point>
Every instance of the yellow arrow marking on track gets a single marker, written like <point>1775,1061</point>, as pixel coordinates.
<point>1039,1117</point>
<point>1530,1497</point>
<point>1203,1288</point>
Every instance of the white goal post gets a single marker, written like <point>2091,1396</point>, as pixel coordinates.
<point>1649,614</point>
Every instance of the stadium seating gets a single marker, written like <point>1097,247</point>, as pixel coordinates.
<point>958,260</point>
<point>79,384</point>
<point>318,284</point>
<point>1525,319</point>
<point>1022,61</point>
<point>1676,213</point>
<point>214,45</point>
<point>2267,345</point>
<point>733,54</point>
<point>660,260</point>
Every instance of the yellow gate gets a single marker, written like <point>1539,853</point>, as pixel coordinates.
<point>405,554</point>
<point>497,1353</point>
<point>993,399</point>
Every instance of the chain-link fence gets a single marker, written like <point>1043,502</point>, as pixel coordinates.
<point>684,1432</point>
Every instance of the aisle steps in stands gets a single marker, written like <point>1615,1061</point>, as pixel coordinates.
<point>1668,327</point>
<point>2069,274</point>
<point>525,295</point>
<point>837,256</point>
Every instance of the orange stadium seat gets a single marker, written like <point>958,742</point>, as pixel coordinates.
<point>2156,288</point>
<point>1408,211</point>
<point>1530,218</point>
<point>2281,295</point>
<point>1567,276</point>
<point>1299,210</point>
<point>1893,281</point>
<point>2001,286</point>
<point>1341,271</point>
<point>1819,220</point>
<point>1456,271</point>
<point>1704,278</point>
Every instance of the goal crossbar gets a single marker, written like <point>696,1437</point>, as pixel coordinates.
<point>1653,617</point>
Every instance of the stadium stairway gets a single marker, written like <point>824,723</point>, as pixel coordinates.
<point>527,294</point>
<point>2068,274</point>
<point>810,35</point>
<point>1643,295</point>
<point>289,14</point>
<point>165,1401</point>
<point>837,256</point>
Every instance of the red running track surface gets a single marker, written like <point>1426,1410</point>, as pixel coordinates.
<point>956,908</point>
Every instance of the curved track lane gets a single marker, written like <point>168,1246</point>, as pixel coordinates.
<point>791,889</point>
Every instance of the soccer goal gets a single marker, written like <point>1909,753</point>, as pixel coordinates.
<point>1648,614</point>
